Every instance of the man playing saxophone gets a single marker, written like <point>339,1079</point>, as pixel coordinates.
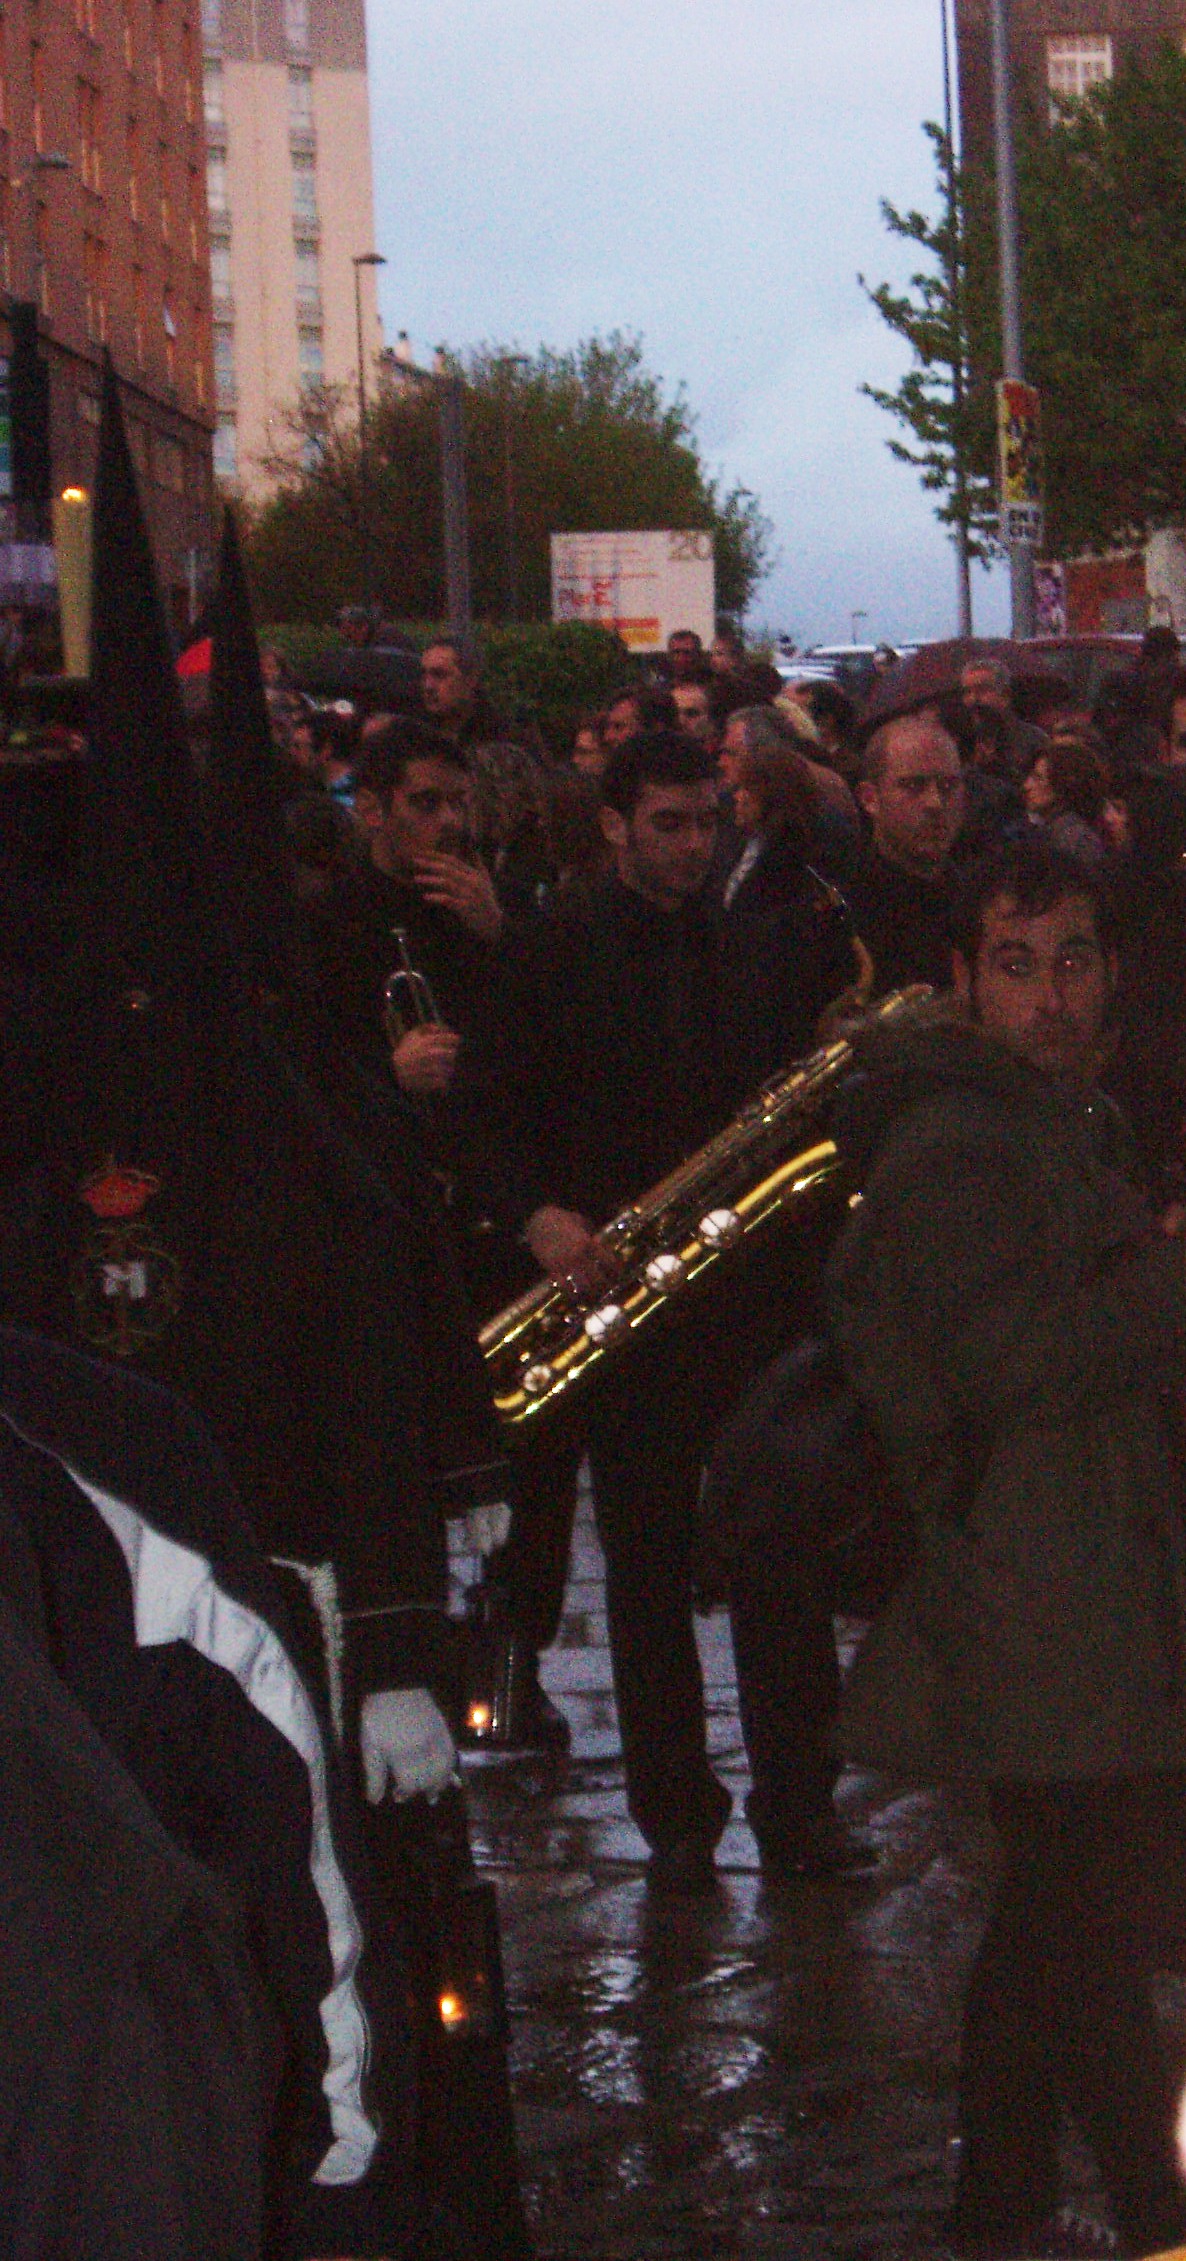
<point>610,1055</point>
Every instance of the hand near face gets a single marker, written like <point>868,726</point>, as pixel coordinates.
<point>465,889</point>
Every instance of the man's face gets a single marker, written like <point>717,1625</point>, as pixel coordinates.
<point>982,692</point>
<point>917,804</point>
<point>622,722</point>
<point>1041,985</point>
<point>1176,755</point>
<point>445,687</point>
<point>691,705</point>
<point>664,849</point>
<point>427,815</point>
<point>684,656</point>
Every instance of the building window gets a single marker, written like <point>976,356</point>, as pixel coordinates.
<point>133,156</point>
<point>84,16</point>
<point>300,96</point>
<point>212,93</point>
<point>296,25</point>
<point>1074,66</point>
<point>308,279</point>
<point>310,357</point>
<point>220,270</point>
<point>224,356</point>
<point>166,201</point>
<point>90,137</point>
<point>3,77</point>
<point>226,449</point>
<point>94,276</point>
<point>212,22</point>
<point>216,186</point>
<point>304,190</point>
<point>199,338</point>
<point>128,38</point>
<point>195,212</point>
<point>187,72</point>
<point>138,314</point>
<point>37,78</point>
<point>41,251</point>
<point>158,44</point>
<point>168,463</point>
<point>169,325</point>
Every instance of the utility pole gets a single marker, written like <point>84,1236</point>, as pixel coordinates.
<point>1021,556</point>
<point>450,386</point>
<point>963,567</point>
<point>364,259</point>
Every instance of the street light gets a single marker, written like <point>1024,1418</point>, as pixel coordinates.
<point>449,387</point>
<point>853,619</point>
<point>361,260</point>
<point>510,361</point>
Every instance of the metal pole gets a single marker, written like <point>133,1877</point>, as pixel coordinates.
<point>1021,556</point>
<point>364,514</point>
<point>963,568</point>
<point>456,511</point>
<point>364,259</point>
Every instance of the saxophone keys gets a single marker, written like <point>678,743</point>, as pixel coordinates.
<point>603,1325</point>
<point>664,1273</point>
<point>721,1228</point>
<point>537,1379</point>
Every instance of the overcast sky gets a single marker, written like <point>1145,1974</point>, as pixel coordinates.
<point>706,173</point>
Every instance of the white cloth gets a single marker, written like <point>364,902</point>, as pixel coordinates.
<point>405,1740</point>
<point>488,1528</point>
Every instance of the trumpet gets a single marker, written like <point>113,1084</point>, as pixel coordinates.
<point>769,1162</point>
<point>408,1001</point>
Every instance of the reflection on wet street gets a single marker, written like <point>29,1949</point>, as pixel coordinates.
<point>770,2072</point>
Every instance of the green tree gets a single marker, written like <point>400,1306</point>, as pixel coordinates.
<point>586,440</point>
<point>1102,197</point>
<point>943,405</point>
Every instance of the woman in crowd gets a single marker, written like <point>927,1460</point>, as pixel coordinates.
<point>1064,790</point>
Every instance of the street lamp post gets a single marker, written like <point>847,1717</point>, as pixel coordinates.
<point>958,391</point>
<point>1021,556</point>
<point>364,259</point>
<point>852,622</point>
<point>510,362</point>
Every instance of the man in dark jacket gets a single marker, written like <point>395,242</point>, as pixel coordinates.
<point>912,791</point>
<point>1015,1322</point>
<point>608,1059</point>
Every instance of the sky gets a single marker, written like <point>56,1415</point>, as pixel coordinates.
<point>707,174</point>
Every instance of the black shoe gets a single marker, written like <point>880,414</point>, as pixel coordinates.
<point>683,1870</point>
<point>812,1849</point>
<point>539,1725</point>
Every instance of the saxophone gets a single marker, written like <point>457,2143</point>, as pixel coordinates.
<point>761,1166</point>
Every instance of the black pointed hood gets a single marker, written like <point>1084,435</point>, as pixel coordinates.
<point>143,866</point>
<point>248,842</point>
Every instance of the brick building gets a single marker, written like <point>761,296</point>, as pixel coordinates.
<point>290,212</point>
<point>1058,47</point>
<point>103,228</point>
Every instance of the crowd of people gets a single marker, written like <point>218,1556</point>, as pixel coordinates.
<point>430,1004</point>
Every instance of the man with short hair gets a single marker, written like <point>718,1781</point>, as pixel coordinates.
<point>986,688</point>
<point>454,701</point>
<point>912,792</point>
<point>602,1064</point>
<point>693,706</point>
<point>685,657</point>
<point>644,707</point>
<point>1015,1324</point>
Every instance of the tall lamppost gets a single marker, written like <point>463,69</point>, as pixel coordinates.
<point>956,307</point>
<point>361,260</point>
<point>1021,556</point>
<point>510,362</point>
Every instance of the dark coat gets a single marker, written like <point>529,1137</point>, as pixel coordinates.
<point>904,923</point>
<point>787,946</point>
<point>1016,1326</point>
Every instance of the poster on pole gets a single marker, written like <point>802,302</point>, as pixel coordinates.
<point>1019,462</point>
<point>641,585</point>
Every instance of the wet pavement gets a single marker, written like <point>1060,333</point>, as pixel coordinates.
<point>770,2072</point>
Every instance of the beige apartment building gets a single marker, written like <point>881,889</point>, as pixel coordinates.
<point>290,208</point>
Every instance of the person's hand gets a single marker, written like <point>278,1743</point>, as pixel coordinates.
<point>565,1245</point>
<point>424,1060</point>
<point>465,889</point>
<point>487,1528</point>
<point>406,1745</point>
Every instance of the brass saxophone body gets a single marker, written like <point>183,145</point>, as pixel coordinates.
<point>762,1166</point>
